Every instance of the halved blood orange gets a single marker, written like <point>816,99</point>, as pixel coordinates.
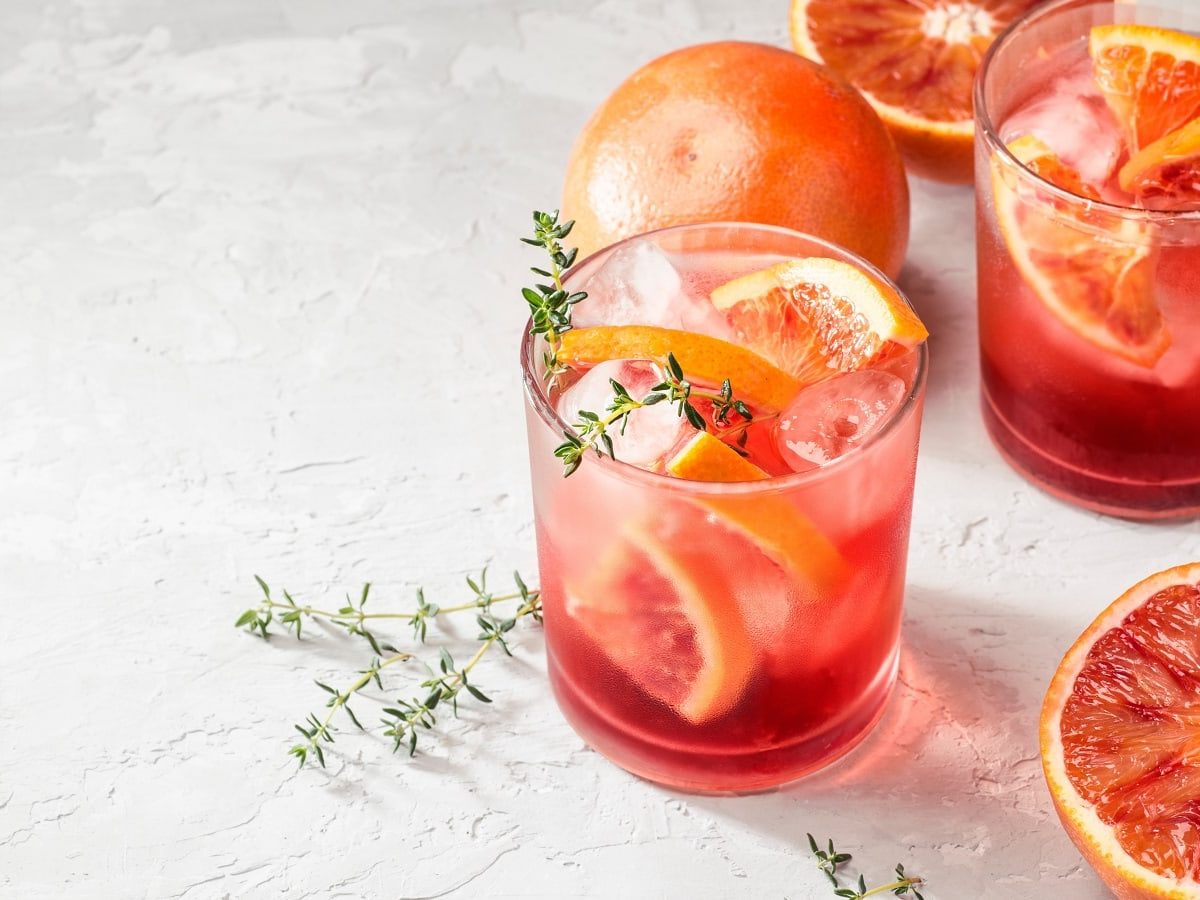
<point>1166,174</point>
<point>816,317</point>
<point>665,614</point>
<point>1150,78</point>
<point>1096,277</point>
<point>1120,739</point>
<point>704,359</point>
<point>915,62</point>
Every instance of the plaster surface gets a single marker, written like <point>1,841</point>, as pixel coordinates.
<point>258,314</point>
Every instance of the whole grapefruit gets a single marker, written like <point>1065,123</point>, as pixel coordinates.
<point>735,131</point>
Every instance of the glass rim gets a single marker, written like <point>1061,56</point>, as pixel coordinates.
<point>536,397</point>
<point>986,126</point>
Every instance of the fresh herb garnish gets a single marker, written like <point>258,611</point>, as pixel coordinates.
<point>593,431</point>
<point>550,304</point>
<point>407,717</point>
<point>831,859</point>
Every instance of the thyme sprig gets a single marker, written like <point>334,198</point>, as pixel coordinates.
<point>831,859</point>
<point>406,718</point>
<point>593,431</point>
<point>550,304</point>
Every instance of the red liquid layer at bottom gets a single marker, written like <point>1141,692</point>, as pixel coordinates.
<point>701,768</point>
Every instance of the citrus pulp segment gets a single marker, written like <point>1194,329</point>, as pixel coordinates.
<point>1150,78</point>
<point>704,359</point>
<point>915,63</point>
<point>664,614</point>
<point>1120,739</point>
<point>1099,285</point>
<point>816,317</point>
<point>1166,174</point>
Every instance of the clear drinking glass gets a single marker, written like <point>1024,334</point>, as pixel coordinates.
<point>1089,309</point>
<point>724,636</point>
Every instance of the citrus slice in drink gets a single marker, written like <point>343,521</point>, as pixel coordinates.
<point>772,522</point>
<point>1120,739</point>
<point>1166,174</point>
<point>704,359</point>
<point>706,458</point>
<point>662,609</point>
<point>1095,276</point>
<point>816,317</point>
<point>915,63</point>
<point>1150,78</point>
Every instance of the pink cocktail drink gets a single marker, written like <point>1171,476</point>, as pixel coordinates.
<point>1089,302</point>
<point>722,635</point>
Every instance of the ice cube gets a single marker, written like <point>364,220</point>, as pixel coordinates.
<point>637,285</point>
<point>650,433</point>
<point>1073,120</point>
<point>831,418</point>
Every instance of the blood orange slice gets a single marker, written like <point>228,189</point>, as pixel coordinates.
<point>1166,174</point>
<point>915,62</point>
<point>817,317</point>
<point>1120,739</point>
<point>1150,78</point>
<point>1096,277</point>
<point>664,613</point>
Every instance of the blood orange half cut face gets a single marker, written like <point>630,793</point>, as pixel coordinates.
<point>916,63</point>
<point>1120,735</point>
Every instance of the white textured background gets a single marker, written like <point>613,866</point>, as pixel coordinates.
<point>259,313</point>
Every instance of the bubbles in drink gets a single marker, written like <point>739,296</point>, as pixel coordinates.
<point>829,419</point>
<point>650,433</point>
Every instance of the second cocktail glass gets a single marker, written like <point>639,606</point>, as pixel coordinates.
<point>1089,308</point>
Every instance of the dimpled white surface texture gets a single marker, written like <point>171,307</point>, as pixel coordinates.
<point>258,314</point>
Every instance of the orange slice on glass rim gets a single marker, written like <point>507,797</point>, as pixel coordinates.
<point>1120,739</point>
<point>1096,276</point>
<point>704,359</point>
<point>1150,78</point>
<point>915,63</point>
<point>665,615</point>
<point>816,317</point>
<point>1166,174</point>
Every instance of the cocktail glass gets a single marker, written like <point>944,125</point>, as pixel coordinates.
<point>724,636</point>
<point>1089,311</point>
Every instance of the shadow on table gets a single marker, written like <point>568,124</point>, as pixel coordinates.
<point>954,762</point>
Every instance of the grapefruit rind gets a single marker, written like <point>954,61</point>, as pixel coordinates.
<point>1094,837</point>
<point>1127,244</point>
<point>704,359</point>
<point>816,317</point>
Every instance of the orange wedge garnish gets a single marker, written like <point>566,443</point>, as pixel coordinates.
<point>1120,739</point>
<point>1096,278</point>
<point>1166,174</point>
<point>1150,78</point>
<point>817,317</point>
<point>772,522</point>
<point>706,458</point>
<point>915,63</point>
<point>704,359</point>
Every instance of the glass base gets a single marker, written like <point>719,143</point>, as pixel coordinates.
<point>1124,498</point>
<point>721,771</point>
